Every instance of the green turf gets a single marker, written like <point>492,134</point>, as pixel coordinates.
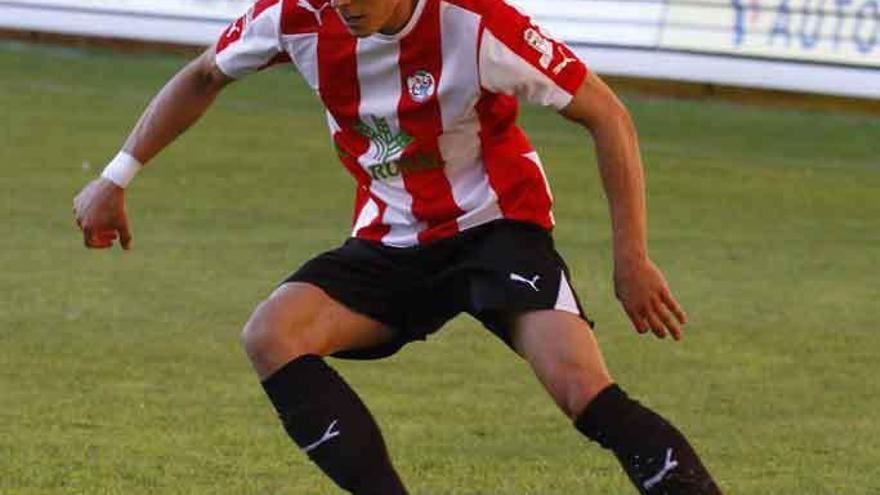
<point>121,373</point>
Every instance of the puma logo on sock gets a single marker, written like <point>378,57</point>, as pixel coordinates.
<point>329,434</point>
<point>668,466</point>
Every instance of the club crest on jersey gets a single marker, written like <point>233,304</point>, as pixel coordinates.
<point>541,44</point>
<point>421,86</point>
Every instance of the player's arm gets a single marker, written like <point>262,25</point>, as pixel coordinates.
<point>176,107</point>
<point>100,206</point>
<point>639,284</point>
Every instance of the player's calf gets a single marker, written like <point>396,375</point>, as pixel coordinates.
<point>331,425</point>
<point>655,455</point>
<point>285,339</point>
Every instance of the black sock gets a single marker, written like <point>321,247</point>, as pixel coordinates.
<point>655,455</point>
<point>327,419</point>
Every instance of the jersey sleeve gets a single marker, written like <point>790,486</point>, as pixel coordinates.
<point>251,42</point>
<point>518,58</point>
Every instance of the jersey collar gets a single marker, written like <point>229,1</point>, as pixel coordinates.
<point>410,25</point>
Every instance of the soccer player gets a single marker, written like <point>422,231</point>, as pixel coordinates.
<point>452,214</point>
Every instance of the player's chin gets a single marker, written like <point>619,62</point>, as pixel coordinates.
<point>360,30</point>
<point>361,33</point>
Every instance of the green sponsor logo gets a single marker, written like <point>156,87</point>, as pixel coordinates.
<point>388,144</point>
<point>415,163</point>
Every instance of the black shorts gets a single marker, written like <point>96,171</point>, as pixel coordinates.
<point>491,272</point>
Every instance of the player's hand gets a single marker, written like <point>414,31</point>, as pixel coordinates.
<point>642,290</point>
<point>99,210</point>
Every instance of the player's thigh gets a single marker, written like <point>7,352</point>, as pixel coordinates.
<point>300,318</point>
<point>564,354</point>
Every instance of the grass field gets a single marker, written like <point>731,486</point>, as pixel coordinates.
<point>120,373</point>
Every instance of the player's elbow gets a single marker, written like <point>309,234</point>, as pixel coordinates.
<point>206,77</point>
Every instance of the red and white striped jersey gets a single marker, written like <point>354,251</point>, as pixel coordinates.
<point>425,119</point>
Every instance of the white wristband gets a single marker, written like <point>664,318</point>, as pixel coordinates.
<point>122,169</point>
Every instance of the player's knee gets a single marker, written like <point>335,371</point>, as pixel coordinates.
<point>274,330</point>
<point>257,333</point>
